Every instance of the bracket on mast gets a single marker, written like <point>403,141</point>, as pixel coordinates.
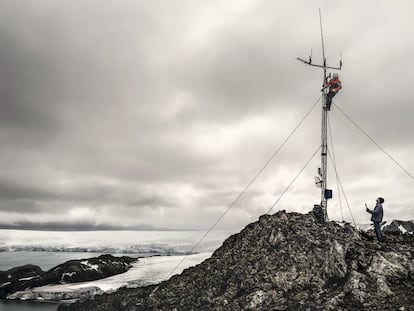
<point>309,62</point>
<point>324,66</point>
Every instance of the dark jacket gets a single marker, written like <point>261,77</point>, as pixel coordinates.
<point>377,213</point>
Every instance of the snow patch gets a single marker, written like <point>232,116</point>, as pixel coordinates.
<point>89,266</point>
<point>29,278</point>
<point>402,229</point>
<point>69,274</point>
<point>341,223</point>
<point>5,284</point>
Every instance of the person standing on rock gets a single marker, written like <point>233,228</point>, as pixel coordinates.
<point>377,214</point>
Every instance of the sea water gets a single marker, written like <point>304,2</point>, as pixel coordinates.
<point>27,306</point>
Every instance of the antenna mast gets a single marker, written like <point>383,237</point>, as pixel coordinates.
<point>321,181</point>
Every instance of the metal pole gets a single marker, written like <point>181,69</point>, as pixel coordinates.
<point>324,159</point>
<point>324,135</point>
<point>323,170</point>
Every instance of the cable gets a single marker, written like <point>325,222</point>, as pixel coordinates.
<point>273,205</point>
<point>376,144</point>
<point>334,165</point>
<point>343,191</point>
<point>294,179</point>
<point>347,203</point>
<point>243,191</point>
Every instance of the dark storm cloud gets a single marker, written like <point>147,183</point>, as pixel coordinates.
<point>13,191</point>
<point>24,197</point>
<point>62,69</point>
<point>25,104</point>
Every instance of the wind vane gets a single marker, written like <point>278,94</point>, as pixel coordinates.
<point>321,181</point>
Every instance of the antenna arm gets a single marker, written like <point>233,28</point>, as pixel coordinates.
<point>303,61</point>
<point>336,68</point>
<point>308,63</point>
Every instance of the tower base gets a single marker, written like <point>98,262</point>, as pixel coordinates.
<point>318,213</point>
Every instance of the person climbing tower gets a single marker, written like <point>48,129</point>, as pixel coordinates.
<point>334,85</point>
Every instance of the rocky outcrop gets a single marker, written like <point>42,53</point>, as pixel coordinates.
<point>18,278</point>
<point>399,227</point>
<point>29,276</point>
<point>285,261</point>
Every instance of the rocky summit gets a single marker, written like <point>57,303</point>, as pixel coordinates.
<point>285,261</point>
<point>399,226</point>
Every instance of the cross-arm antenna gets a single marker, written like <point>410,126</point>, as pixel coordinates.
<point>309,62</point>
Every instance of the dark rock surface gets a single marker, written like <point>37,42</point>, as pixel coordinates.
<point>18,278</point>
<point>285,261</point>
<point>29,276</point>
<point>399,226</point>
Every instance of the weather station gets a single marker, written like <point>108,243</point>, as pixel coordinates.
<point>321,180</point>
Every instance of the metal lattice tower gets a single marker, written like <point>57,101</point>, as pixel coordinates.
<point>322,179</point>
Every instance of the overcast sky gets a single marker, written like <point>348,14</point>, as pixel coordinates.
<point>156,114</point>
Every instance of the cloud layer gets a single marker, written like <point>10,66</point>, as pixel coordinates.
<point>157,114</point>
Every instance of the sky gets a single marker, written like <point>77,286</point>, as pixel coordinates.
<point>157,114</point>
